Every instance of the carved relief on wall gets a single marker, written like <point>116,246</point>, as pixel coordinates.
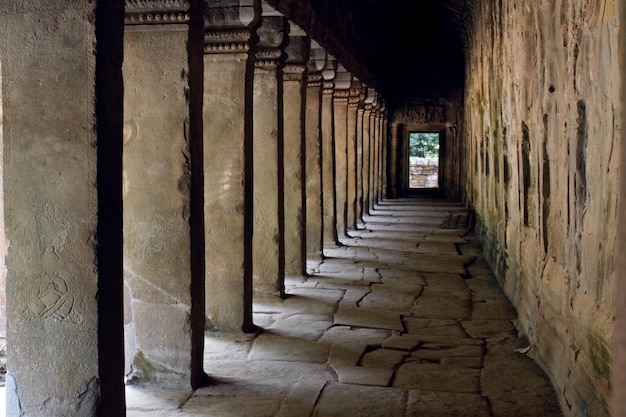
<point>421,113</point>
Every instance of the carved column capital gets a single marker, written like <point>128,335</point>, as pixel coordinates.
<point>228,23</point>
<point>355,93</point>
<point>315,64</point>
<point>343,81</point>
<point>272,37</point>
<point>294,72</point>
<point>157,12</point>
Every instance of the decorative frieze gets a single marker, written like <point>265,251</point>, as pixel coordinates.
<point>421,113</point>
<point>227,41</point>
<point>314,79</point>
<point>293,72</point>
<point>341,95</point>
<point>267,57</point>
<point>157,12</point>
<point>328,87</point>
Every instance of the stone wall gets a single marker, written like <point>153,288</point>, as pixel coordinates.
<point>541,158</point>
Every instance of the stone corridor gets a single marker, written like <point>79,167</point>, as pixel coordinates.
<point>405,319</point>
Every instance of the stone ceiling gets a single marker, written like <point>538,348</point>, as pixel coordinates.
<point>405,48</point>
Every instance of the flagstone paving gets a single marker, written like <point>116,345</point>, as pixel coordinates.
<point>404,319</point>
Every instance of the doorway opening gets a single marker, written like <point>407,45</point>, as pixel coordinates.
<point>424,160</point>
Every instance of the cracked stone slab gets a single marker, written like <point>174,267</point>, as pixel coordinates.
<point>304,326</point>
<point>383,358</point>
<point>426,327</point>
<point>364,375</point>
<point>301,400</point>
<point>387,297</point>
<point>441,306</point>
<point>435,377</point>
<point>405,342</point>
<point>359,336</point>
<point>360,401</point>
<point>446,404</point>
<point>370,318</point>
<point>345,354</point>
<point>271,347</point>
<point>437,351</point>
<point>436,247</point>
<point>485,329</point>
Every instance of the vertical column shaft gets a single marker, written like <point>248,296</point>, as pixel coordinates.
<point>313,152</point>
<point>341,94</point>
<point>329,223</point>
<point>268,252</point>
<point>294,154</point>
<point>162,201</point>
<point>351,166</point>
<point>62,137</point>
<point>392,172</point>
<point>227,117</point>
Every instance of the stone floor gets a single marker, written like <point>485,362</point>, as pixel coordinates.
<point>404,320</point>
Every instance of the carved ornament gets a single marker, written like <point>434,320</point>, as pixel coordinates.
<point>227,41</point>
<point>292,72</point>
<point>157,12</point>
<point>314,79</point>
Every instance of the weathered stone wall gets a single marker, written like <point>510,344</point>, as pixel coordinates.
<point>542,163</point>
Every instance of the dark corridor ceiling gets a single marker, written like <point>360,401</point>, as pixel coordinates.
<point>406,48</point>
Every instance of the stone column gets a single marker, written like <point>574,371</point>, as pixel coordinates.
<point>343,81</point>
<point>375,143</point>
<point>268,253</point>
<point>366,168</point>
<point>385,154</point>
<point>329,210</point>
<point>360,118</point>
<point>297,54</point>
<point>164,289</point>
<point>392,172</point>
<point>227,118</point>
<point>373,135</point>
<point>313,153</point>
<point>62,136</point>
<point>351,166</point>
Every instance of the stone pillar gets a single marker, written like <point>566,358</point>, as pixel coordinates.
<point>384,151</point>
<point>62,136</point>
<point>227,118</point>
<point>313,153</point>
<point>268,253</point>
<point>351,165</point>
<point>375,154</point>
<point>297,52</point>
<point>367,133</point>
<point>373,135</point>
<point>329,210</point>
<point>360,118</point>
<point>163,220</point>
<point>392,168</point>
<point>343,81</point>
